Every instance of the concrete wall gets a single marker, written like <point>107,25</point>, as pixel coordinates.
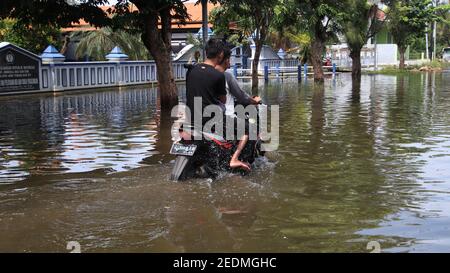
<point>387,54</point>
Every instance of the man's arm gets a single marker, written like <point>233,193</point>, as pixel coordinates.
<point>235,90</point>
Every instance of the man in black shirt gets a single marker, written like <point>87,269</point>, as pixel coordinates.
<point>205,82</point>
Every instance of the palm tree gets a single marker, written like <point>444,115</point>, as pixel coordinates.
<point>359,25</point>
<point>98,43</point>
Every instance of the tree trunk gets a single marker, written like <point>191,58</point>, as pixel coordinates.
<point>317,48</point>
<point>356,92</point>
<point>158,42</point>
<point>402,50</point>
<point>255,64</point>
<point>355,54</point>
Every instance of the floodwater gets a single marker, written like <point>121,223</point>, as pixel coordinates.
<point>93,167</point>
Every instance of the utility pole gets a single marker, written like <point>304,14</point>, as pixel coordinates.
<point>434,40</point>
<point>427,44</point>
<point>435,3</point>
<point>375,57</point>
<point>204,25</point>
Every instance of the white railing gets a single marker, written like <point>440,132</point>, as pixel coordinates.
<point>86,75</point>
<point>347,62</point>
<point>277,67</point>
<point>276,63</point>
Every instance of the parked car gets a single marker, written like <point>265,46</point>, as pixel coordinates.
<point>446,54</point>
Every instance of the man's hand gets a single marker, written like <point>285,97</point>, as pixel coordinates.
<point>257,99</point>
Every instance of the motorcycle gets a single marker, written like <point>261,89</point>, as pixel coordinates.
<point>208,157</point>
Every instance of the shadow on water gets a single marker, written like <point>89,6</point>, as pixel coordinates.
<point>356,163</point>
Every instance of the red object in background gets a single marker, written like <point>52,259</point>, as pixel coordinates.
<point>326,62</point>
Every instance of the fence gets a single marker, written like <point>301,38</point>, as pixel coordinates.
<point>366,61</point>
<point>86,75</point>
<point>281,68</point>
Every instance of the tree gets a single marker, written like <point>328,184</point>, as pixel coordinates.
<point>359,23</point>
<point>98,43</point>
<point>287,33</point>
<point>256,17</point>
<point>57,13</point>
<point>34,38</point>
<point>408,21</point>
<point>443,29</point>
<point>319,18</point>
<point>152,19</point>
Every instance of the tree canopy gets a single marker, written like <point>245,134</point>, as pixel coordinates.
<point>408,21</point>
<point>34,38</point>
<point>98,43</point>
<point>60,13</point>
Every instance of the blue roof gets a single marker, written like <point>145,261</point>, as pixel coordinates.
<point>116,53</point>
<point>52,53</point>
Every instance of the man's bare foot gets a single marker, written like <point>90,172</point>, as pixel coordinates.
<point>236,164</point>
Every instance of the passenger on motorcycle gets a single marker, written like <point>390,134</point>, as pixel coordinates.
<point>235,95</point>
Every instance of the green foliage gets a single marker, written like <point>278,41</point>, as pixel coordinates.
<point>286,32</point>
<point>97,44</point>
<point>135,20</point>
<point>34,38</point>
<point>195,40</point>
<point>409,19</point>
<point>359,23</point>
<point>320,15</point>
<point>58,13</point>
<point>63,13</point>
<point>248,15</point>
<point>223,17</point>
<point>443,28</point>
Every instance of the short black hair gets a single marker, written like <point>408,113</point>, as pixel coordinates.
<point>226,53</point>
<point>214,47</point>
<point>228,50</point>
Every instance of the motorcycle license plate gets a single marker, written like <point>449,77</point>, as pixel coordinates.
<point>183,149</point>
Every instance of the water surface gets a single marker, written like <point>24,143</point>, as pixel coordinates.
<point>352,167</point>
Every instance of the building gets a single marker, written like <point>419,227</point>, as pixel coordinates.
<point>180,32</point>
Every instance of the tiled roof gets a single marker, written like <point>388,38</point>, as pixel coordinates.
<point>195,21</point>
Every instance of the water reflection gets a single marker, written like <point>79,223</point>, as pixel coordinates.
<point>77,132</point>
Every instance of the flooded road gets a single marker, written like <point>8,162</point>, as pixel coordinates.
<point>352,167</point>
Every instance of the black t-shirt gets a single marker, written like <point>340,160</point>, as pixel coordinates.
<point>206,82</point>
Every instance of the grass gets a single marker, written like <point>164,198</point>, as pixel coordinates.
<point>388,70</point>
<point>432,64</point>
<point>394,70</point>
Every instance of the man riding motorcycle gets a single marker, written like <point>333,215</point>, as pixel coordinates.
<point>205,82</point>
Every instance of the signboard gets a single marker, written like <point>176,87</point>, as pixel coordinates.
<point>19,69</point>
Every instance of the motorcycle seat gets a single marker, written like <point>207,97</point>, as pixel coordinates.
<point>190,132</point>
